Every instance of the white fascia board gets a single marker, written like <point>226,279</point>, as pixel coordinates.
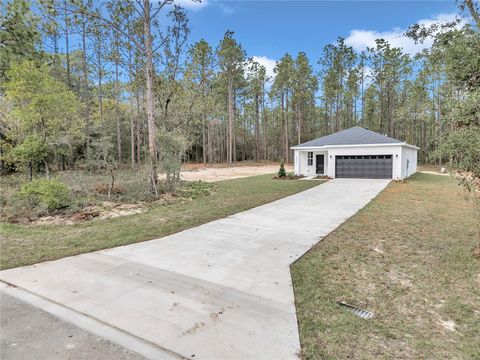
<point>326,147</point>
<point>310,148</point>
<point>411,146</point>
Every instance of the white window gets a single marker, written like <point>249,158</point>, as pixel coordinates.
<point>310,158</point>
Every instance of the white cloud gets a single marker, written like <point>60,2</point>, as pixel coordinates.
<point>191,5</point>
<point>268,63</point>
<point>196,5</point>
<point>227,10</point>
<point>361,39</point>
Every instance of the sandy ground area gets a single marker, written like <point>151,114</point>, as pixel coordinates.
<point>211,174</point>
<point>434,173</point>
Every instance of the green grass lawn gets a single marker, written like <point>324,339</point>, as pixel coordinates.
<point>22,245</point>
<point>407,257</point>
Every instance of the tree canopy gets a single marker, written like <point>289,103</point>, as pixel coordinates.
<point>83,82</point>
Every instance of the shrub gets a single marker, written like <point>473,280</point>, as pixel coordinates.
<point>30,152</point>
<point>282,173</point>
<point>102,188</point>
<point>48,192</point>
<point>196,189</point>
<point>173,145</point>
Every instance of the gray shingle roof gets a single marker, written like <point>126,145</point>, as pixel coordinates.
<point>353,136</point>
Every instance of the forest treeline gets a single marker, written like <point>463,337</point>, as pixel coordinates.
<point>121,82</point>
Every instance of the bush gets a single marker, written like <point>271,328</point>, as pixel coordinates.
<point>30,152</point>
<point>102,188</point>
<point>47,192</point>
<point>173,145</point>
<point>196,189</point>
<point>282,173</point>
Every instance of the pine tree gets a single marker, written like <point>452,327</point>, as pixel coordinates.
<point>282,173</point>
<point>231,59</point>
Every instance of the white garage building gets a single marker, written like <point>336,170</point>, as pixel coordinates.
<point>356,153</point>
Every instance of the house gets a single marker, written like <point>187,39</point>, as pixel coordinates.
<point>356,153</point>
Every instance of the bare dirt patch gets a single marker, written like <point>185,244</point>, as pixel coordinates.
<point>194,166</point>
<point>219,172</point>
<point>106,210</point>
<point>430,168</point>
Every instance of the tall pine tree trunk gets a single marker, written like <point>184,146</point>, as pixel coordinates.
<point>137,101</point>
<point>132,115</point>
<point>234,133</point>
<point>117,102</point>
<point>257,128</point>
<point>299,120</point>
<point>284,127</point>
<point>152,127</point>
<point>264,133</point>
<point>287,150</point>
<point>85,87</point>
<point>204,123</point>
<point>100,76</point>
<point>264,125</point>
<point>67,48</point>
<point>204,137</point>
<point>209,138</point>
<point>230,121</point>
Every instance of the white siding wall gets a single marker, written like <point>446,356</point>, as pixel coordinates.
<point>409,157</point>
<point>296,162</point>
<point>302,167</point>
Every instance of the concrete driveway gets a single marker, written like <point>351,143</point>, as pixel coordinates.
<point>218,291</point>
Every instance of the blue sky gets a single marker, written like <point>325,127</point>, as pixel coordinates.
<point>269,29</point>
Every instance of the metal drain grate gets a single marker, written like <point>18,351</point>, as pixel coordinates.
<point>364,314</point>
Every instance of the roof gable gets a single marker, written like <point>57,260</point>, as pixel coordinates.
<point>352,136</point>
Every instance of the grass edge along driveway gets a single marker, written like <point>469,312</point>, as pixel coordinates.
<point>21,245</point>
<point>407,257</point>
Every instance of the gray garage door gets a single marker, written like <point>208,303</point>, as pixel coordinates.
<point>363,166</point>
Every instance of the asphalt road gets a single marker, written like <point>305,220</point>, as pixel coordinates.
<point>30,333</point>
